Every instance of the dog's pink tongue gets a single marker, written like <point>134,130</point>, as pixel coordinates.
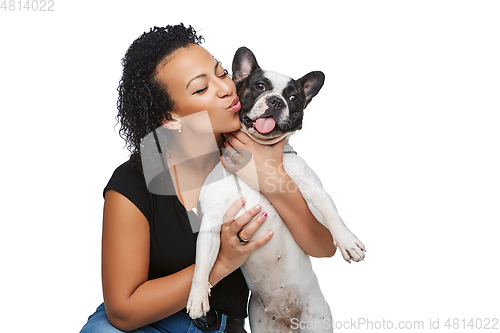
<point>265,125</point>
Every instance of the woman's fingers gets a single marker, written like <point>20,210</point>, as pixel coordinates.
<point>259,242</point>
<point>239,155</point>
<point>230,152</point>
<point>233,252</point>
<point>237,138</point>
<point>251,228</point>
<point>237,226</point>
<point>243,220</point>
<point>231,212</point>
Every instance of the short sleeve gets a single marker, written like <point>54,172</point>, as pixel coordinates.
<point>130,183</point>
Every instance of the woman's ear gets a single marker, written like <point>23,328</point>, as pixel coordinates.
<point>172,124</point>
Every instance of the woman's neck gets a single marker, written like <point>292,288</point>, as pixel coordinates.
<point>197,153</point>
<point>190,162</point>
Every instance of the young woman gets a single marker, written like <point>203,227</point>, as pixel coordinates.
<point>148,245</point>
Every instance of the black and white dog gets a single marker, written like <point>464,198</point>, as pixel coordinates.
<point>285,292</point>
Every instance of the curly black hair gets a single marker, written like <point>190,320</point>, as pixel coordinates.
<point>142,101</point>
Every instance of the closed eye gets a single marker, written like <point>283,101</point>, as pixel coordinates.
<point>199,91</point>
<point>218,67</point>
<point>225,74</point>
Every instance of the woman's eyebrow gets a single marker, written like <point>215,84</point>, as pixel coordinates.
<point>202,75</point>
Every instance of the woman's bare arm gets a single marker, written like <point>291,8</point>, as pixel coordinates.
<point>131,301</point>
<point>312,236</point>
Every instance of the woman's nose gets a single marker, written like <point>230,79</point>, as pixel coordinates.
<point>225,87</point>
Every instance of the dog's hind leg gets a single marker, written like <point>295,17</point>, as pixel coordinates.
<point>263,322</point>
<point>315,315</point>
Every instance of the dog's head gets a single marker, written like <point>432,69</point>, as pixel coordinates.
<point>272,104</point>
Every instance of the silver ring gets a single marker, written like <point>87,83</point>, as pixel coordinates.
<point>232,156</point>
<point>242,240</point>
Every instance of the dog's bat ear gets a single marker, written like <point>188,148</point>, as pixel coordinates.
<point>244,63</point>
<point>312,83</point>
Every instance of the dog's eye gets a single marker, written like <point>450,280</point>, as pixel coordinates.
<point>294,99</point>
<point>260,86</point>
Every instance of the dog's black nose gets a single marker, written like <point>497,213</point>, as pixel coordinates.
<point>275,102</point>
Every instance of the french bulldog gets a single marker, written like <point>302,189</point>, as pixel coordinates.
<point>285,294</point>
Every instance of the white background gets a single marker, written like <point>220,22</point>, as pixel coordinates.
<point>404,136</point>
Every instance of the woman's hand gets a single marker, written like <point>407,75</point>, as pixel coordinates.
<point>233,253</point>
<point>259,166</point>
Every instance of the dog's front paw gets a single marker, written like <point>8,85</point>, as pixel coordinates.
<point>350,246</point>
<point>198,304</point>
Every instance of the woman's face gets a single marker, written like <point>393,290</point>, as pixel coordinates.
<point>197,82</point>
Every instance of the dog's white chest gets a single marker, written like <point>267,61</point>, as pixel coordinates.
<point>276,272</point>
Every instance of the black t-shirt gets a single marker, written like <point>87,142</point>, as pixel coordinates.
<point>172,240</point>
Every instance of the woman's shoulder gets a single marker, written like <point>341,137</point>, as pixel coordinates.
<point>129,181</point>
<point>128,169</point>
<point>126,175</point>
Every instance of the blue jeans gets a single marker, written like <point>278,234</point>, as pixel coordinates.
<point>179,322</point>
